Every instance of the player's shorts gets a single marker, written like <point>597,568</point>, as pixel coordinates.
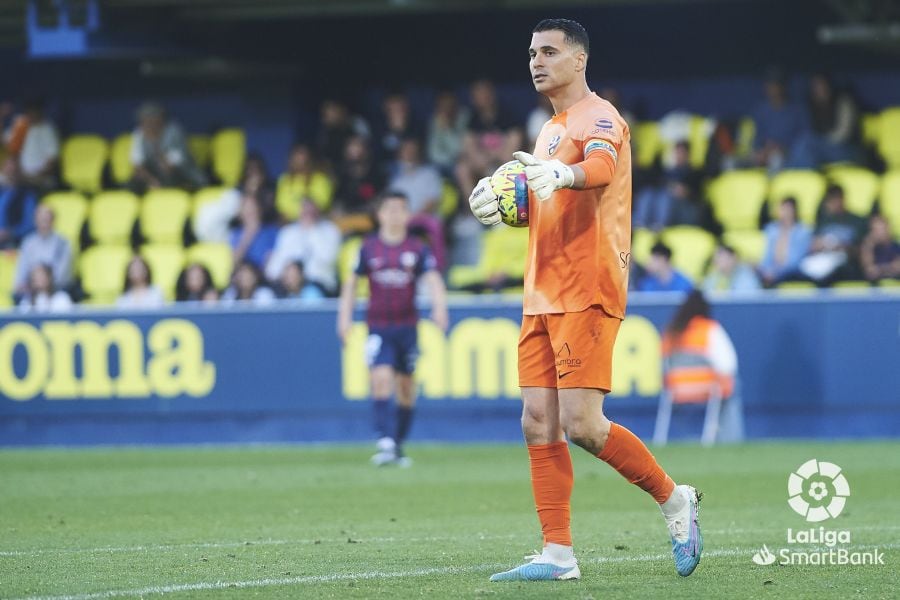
<point>395,346</point>
<point>568,350</point>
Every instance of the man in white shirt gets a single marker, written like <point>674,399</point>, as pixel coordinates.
<point>160,154</point>
<point>314,241</point>
<point>44,246</point>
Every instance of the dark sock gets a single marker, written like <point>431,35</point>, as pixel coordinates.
<point>404,420</point>
<point>382,417</point>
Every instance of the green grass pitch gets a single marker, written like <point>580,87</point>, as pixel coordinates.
<point>320,522</point>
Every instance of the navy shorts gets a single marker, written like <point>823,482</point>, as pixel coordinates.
<point>395,346</point>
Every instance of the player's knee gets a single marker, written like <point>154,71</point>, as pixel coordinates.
<point>534,421</point>
<point>587,433</point>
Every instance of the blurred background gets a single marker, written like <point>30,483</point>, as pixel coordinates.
<point>186,182</point>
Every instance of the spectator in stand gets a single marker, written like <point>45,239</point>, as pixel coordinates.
<point>729,273</point>
<point>246,286</point>
<point>140,293</point>
<point>359,182</point>
<point>159,153</point>
<point>303,179</point>
<point>252,238</point>
<point>213,223</point>
<point>195,284</point>
<point>492,137</point>
<point>787,242</point>
<point>834,118</point>
<point>337,126</point>
<point>44,246</point>
<point>17,206</point>
<point>676,199</point>
<point>834,252</point>
<point>293,285</point>
<point>312,239</point>
<point>397,125</point>
<point>780,125</point>
<point>660,275</point>
<point>40,296</point>
<point>880,253</point>
<point>539,115</point>
<point>32,140</point>
<point>446,131</point>
<point>613,96</point>
<point>422,185</point>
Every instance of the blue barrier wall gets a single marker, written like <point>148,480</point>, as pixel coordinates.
<point>818,366</point>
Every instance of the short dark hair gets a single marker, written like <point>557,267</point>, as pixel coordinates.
<point>661,249</point>
<point>834,189</point>
<point>792,201</point>
<point>575,32</point>
<point>390,195</point>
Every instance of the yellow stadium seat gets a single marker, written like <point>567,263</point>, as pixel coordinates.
<point>70,210</point>
<point>692,247</point>
<point>860,188</point>
<point>112,216</point>
<point>807,187</point>
<point>889,206</point>
<point>215,257</point>
<point>227,152</point>
<point>737,198</point>
<point>449,200</point>
<point>163,215</point>
<point>120,159</point>
<point>871,125</point>
<point>641,241</point>
<point>505,250</point>
<point>746,134</point>
<point>892,285</point>
<point>292,189</point>
<point>889,137</point>
<point>796,287</point>
<point>7,272</point>
<point>647,142</point>
<point>460,276</point>
<point>347,258</point>
<point>166,262</point>
<point>852,287</point>
<point>749,245</point>
<point>82,161</point>
<point>102,270</point>
<point>199,148</point>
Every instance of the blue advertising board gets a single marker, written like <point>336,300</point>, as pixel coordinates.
<point>813,366</point>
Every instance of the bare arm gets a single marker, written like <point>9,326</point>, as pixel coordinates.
<point>438,295</point>
<point>345,307</point>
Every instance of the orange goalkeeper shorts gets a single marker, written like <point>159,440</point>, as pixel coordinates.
<point>568,350</point>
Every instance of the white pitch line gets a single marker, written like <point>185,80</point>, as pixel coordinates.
<point>308,579</point>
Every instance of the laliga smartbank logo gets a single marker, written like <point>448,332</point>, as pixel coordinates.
<point>818,491</point>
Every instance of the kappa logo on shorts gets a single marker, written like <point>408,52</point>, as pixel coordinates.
<point>564,360</point>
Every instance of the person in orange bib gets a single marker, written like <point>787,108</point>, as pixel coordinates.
<point>576,281</point>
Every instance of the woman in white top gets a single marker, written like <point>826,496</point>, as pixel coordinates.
<point>40,295</point>
<point>139,291</point>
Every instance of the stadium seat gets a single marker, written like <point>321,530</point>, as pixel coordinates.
<point>852,287</point>
<point>215,257</point>
<point>797,287</point>
<point>749,245</point>
<point>199,148</point>
<point>7,274</point>
<point>163,215</point>
<point>889,206</point>
<point>227,152</point>
<point>347,257</point>
<point>82,161</point>
<point>808,187</point>
<point>889,137</point>
<point>505,251</point>
<point>166,262</point>
<point>120,159</point>
<point>737,198</point>
<point>699,130</point>
<point>647,142</point>
<point>871,126</point>
<point>641,241</point>
<point>70,210</point>
<point>746,134</point>
<point>449,200</point>
<point>292,189</point>
<point>102,270</point>
<point>692,247</point>
<point>860,188</point>
<point>112,217</point>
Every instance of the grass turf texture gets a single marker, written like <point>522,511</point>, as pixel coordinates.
<point>320,522</point>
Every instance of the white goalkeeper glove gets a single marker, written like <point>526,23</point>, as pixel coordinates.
<point>484,203</point>
<point>545,176</point>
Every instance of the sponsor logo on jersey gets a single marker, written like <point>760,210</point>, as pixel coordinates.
<point>603,123</point>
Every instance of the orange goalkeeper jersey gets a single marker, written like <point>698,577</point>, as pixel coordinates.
<point>579,244</point>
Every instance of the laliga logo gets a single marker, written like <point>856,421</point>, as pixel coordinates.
<point>818,490</point>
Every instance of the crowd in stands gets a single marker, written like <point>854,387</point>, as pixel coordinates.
<point>722,206</point>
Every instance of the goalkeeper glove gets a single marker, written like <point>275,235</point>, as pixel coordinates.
<point>545,176</point>
<point>484,203</point>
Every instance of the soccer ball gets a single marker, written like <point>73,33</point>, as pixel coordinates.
<point>509,184</point>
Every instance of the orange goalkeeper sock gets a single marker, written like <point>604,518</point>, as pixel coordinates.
<point>628,455</point>
<point>552,480</point>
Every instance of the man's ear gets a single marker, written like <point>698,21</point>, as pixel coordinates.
<point>581,61</point>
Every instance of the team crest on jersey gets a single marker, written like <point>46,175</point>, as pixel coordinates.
<point>554,143</point>
<point>408,260</point>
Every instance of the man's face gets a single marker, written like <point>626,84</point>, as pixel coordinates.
<point>393,214</point>
<point>43,219</point>
<point>554,63</point>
